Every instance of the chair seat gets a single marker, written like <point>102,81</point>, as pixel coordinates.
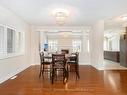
<point>47,63</point>
<point>71,62</point>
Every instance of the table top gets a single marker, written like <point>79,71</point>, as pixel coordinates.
<point>49,56</point>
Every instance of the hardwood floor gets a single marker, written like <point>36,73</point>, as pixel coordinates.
<point>92,82</point>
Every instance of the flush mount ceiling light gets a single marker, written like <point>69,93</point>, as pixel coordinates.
<point>60,15</point>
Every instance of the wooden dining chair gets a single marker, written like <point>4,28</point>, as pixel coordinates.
<point>74,61</point>
<point>58,65</point>
<point>45,65</point>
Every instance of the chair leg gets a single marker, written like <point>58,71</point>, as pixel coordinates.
<point>77,75</point>
<point>53,71</point>
<point>40,70</point>
<point>77,71</point>
<point>43,69</point>
<point>65,76</point>
<point>67,71</point>
<point>50,73</point>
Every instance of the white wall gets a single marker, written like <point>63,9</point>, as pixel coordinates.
<point>13,65</point>
<point>85,55</point>
<point>96,45</point>
<point>35,41</point>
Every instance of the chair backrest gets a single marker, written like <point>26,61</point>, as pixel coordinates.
<point>42,57</point>
<point>58,59</point>
<point>75,58</point>
<point>65,51</point>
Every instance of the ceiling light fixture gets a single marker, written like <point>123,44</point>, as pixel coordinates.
<point>60,16</point>
<point>124,18</point>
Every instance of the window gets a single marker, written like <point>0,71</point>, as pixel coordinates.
<point>52,45</point>
<point>10,41</point>
<point>1,40</point>
<point>106,45</point>
<point>110,44</point>
<point>76,45</point>
<point>17,41</point>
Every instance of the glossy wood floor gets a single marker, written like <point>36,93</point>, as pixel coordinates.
<point>92,82</point>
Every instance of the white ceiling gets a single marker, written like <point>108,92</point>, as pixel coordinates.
<point>115,26</point>
<point>82,12</point>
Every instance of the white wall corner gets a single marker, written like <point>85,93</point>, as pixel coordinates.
<point>84,63</point>
<point>96,45</point>
<point>99,67</point>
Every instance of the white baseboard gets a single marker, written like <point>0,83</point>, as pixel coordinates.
<point>35,64</point>
<point>98,67</point>
<point>12,74</point>
<point>84,63</point>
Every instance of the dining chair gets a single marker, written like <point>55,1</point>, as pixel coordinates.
<point>59,65</point>
<point>74,61</point>
<point>45,65</point>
